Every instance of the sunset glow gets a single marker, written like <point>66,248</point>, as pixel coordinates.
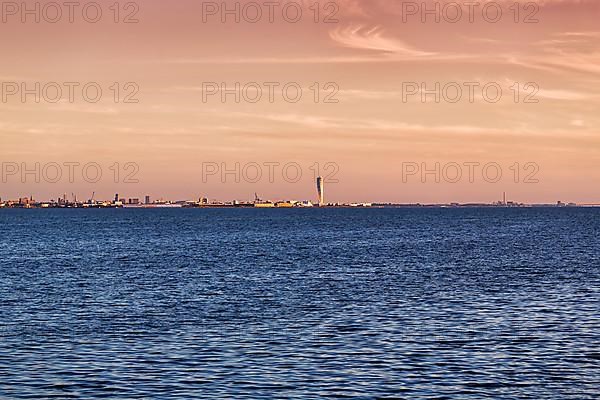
<point>365,113</point>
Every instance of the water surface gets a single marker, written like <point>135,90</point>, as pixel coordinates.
<point>245,303</point>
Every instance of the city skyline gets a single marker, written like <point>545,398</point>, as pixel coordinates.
<point>120,201</point>
<point>412,192</point>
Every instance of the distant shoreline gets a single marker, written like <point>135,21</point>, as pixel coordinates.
<point>374,206</point>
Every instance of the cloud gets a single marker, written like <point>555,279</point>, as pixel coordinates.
<point>562,95</point>
<point>580,34</point>
<point>374,39</point>
<point>63,105</point>
<point>372,126</point>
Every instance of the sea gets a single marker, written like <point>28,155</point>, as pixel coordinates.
<point>409,303</point>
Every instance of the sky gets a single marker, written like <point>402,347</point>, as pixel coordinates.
<point>400,113</point>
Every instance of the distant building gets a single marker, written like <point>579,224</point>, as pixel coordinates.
<point>321,191</point>
<point>266,204</point>
<point>147,200</point>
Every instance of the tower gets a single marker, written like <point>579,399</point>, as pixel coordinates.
<point>321,191</point>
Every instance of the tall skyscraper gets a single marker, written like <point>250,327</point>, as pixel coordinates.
<point>321,191</point>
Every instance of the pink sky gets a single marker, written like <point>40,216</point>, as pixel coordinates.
<point>370,54</point>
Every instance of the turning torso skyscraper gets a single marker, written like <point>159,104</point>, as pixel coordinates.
<point>321,191</point>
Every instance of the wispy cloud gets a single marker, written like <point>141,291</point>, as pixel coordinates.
<point>374,39</point>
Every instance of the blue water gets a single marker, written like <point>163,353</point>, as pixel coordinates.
<point>245,303</point>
